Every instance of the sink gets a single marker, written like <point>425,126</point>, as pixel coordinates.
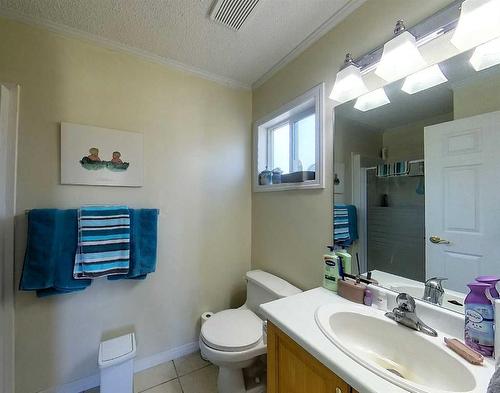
<point>407,358</point>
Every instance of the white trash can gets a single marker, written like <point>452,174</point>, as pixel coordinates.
<point>116,361</point>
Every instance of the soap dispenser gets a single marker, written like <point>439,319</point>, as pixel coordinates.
<point>331,270</point>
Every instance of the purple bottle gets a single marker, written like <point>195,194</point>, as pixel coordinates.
<point>479,319</point>
<point>492,281</point>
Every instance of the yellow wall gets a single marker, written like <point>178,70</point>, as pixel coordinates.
<point>197,171</point>
<point>406,142</point>
<point>291,228</point>
<point>465,95</point>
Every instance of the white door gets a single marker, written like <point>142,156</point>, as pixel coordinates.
<point>462,199</point>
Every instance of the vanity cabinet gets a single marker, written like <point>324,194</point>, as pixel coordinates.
<point>291,369</point>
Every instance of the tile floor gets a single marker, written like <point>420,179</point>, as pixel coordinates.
<point>190,374</point>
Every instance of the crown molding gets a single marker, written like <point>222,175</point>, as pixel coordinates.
<point>324,28</point>
<point>59,28</point>
<point>114,45</point>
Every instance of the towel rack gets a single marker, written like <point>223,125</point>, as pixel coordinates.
<point>26,212</point>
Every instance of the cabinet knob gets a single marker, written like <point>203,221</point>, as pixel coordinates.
<point>338,390</point>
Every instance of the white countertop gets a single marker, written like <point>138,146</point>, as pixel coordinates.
<point>294,315</point>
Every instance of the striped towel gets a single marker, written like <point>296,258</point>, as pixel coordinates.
<point>398,168</point>
<point>383,170</point>
<point>103,241</point>
<point>345,226</point>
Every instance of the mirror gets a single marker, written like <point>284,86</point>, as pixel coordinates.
<point>424,174</point>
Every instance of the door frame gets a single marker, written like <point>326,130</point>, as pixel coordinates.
<point>9,96</point>
<point>359,200</point>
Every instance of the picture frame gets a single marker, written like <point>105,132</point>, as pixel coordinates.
<point>101,156</point>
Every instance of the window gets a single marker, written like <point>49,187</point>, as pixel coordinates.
<point>288,145</point>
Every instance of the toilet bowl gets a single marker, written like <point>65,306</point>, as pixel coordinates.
<point>233,339</point>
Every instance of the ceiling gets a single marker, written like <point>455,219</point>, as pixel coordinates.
<point>180,32</point>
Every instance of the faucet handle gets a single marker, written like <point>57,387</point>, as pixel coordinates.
<point>406,302</point>
<point>435,282</point>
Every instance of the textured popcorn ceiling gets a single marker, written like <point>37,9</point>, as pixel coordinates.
<point>181,31</point>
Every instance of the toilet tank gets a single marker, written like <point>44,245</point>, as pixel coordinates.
<point>263,287</point>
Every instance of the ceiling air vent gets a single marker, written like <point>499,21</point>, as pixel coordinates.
<point>232,13</point>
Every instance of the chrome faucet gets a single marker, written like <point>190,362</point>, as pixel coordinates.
<point>405,314</point>
<point>434,290</point>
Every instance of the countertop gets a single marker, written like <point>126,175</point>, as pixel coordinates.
<point>294,315</point>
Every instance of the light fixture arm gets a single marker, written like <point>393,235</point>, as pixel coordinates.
<point>425,31</point>
<point>400,27</point>
<point>348,61</point>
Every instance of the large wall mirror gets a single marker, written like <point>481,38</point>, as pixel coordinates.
<point>426,181</point>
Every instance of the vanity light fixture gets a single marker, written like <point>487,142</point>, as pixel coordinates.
<point>400,56</point>
<point>425,79</point>
<point>479,22</point>
<point>486,55</point>
<point>349,82</point>
<point>372,100</point>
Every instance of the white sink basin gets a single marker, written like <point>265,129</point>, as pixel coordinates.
<point>409,359</point>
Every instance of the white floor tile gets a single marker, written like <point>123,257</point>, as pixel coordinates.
<point>201,381</point>
<point>154,376</point>
<point>168,387</point>
<point>189,363</point>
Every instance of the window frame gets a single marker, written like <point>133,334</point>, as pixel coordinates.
<point>311,102</point>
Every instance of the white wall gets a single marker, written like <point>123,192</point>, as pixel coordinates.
<point>197,141</point>
<point>291,228</point>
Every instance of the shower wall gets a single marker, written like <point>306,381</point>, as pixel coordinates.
<point>395,225</point>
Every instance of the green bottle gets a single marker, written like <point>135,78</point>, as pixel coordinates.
<point>345,259</point>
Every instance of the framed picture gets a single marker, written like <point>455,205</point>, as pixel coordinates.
<point>101,156</point>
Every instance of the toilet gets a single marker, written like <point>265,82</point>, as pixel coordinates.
<point>233,339</point>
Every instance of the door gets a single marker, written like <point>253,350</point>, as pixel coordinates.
<point>462,194</point>
<point>8,143</point>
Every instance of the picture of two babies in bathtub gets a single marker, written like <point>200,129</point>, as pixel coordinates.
<point>93,162</point>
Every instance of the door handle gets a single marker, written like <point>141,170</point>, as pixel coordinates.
<point>438,240</point>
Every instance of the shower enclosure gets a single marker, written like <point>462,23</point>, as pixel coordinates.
<point>395,214</point>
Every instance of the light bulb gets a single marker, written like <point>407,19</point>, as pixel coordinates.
<point>372,100</point>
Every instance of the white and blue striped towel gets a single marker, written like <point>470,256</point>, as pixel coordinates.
<point>103,241</point>
<point>345,229</point>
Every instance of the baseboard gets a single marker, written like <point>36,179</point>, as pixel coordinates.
<point>165,356</point>
<point>92,381</point>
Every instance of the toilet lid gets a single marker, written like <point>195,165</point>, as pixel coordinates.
<point>232,330</point>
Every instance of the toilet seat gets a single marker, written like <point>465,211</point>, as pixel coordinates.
<point>232,330</point>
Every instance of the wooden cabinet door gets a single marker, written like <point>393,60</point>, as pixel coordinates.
<point>291,369</point>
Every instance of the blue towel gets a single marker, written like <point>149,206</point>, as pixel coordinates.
<point>103,241</point>
<point>50,252</point>
<point>345,225</point>
<point>143,244</point>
